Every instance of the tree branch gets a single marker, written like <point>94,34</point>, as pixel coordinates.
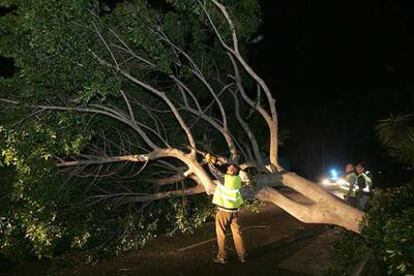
<point>157,92</point>
<point>248,132</point>
<point>273,151</point>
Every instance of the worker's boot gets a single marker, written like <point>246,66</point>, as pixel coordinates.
<point>242,259</point>
<point>218,260</point>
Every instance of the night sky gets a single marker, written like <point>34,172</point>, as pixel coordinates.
<point>335,68</point>
<point>330,44</point>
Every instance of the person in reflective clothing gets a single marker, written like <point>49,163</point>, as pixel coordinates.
<point>364,182</point>
<point>351,192</point>
<point>228,200</point>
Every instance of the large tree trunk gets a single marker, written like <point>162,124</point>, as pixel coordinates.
<point>323,207</point>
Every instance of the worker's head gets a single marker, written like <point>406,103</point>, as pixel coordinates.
<point>360,168</point>
<point>233,169</point>
<point>349,168</point>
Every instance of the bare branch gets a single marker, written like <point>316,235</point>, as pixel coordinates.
<point>157,92</point>
<point>107,112</point>
<point>197,72</point>
<point>129,50</point>
<point>185,88</point>
<point>162,195</point>
<point>273,152</point>
<point>94,160</point>
<point>248,131</point>
<point>225,132</point>
<point>131,113</point>
<point>173,179</point>
<point>106,44</point>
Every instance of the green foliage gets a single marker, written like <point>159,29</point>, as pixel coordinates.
<point>390,228</point>
<point>50,42</point>
<point>254,206</point>
<point>387,239</point>
<point>397,135</point>
<point>391,216</point>
<point>31,195</point>
<point>54,44</point>
<point>186,214</point>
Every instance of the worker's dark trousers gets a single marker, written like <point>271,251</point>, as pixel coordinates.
<point>223,220</point>
<point>352,200</point>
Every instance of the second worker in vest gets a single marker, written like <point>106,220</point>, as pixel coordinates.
<point>364,182</point>
<point>228,200</point>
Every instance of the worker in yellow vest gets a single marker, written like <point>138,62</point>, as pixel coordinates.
<point>228,200</point>
<point>364,182</point>
<point>350,190</point>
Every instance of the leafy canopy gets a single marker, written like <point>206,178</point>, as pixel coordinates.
<point>53,44</point>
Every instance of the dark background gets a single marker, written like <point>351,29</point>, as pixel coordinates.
<point>335,68</point>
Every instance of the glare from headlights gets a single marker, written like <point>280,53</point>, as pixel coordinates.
<point>325,181</point>
<point>342,182</point>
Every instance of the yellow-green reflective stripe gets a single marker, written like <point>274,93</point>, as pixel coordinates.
<point>227,189</point>
<point>228,197</point>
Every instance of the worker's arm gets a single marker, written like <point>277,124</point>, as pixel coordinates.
<point>217,174</point>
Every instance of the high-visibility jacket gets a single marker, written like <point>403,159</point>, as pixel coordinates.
<point>228,196</point>
<point>352,187</point>
<point>368,182</point>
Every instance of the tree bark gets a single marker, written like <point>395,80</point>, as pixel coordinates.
<point>323,207</point>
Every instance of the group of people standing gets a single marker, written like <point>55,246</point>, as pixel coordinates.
<point>360,185</point>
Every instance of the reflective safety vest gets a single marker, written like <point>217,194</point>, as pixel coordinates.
<point>228,196</point>
<point>350,179</point>
<point>368,182</point>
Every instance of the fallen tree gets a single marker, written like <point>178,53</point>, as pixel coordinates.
<point>173,88</point>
